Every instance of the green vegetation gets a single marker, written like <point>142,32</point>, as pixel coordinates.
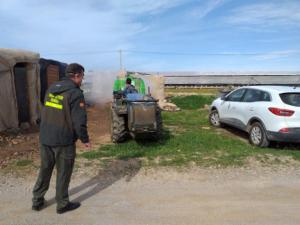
<point>192,101</point>
<point>188,139</point>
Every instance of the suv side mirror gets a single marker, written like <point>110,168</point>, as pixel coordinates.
<point>223,98</point>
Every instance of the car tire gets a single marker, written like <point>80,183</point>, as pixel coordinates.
<point>258,136</point>
<point>214,118</point>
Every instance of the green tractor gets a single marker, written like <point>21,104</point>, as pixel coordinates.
<point>136,114</point>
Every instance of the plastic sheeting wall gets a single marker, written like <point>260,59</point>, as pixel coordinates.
<point>8,104</point>
<point>8,112</point>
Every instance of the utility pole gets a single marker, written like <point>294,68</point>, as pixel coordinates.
<point>121,65</point>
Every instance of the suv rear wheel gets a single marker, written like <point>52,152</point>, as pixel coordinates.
<point>214,118</point>
<point>257,135</point>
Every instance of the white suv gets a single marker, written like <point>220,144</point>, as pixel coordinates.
<point>267,113</point>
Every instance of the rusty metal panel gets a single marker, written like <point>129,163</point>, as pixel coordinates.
<point>52,74</point>
<point>142,115</point>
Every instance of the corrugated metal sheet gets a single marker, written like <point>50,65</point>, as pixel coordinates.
<point>52,74</point>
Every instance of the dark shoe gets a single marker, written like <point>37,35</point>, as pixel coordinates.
<point>70,206</point>
<point>38,207</point>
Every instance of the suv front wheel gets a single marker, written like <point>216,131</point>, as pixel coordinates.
<point>214,118</point>
<point>257,135</point>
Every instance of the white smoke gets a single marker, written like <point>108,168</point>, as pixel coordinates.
<point>98,86</point>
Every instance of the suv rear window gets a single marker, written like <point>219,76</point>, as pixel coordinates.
<point>291,98</point>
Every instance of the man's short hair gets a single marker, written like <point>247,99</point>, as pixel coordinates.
<point>128,81</point>
<point>74,68</point>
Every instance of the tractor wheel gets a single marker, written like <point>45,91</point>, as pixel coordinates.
<point>118,127</point>
<point>159,123</point>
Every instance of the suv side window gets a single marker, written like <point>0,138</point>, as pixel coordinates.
<point>265,96</point>
<point>236,96</point>
<point>253,95</point>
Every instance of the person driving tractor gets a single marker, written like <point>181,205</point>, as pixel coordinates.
<point>129,88</point>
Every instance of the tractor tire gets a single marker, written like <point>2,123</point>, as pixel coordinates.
<point>118,127</point>
<point>158,134</point>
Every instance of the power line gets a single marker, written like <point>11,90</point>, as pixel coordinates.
<point>121,61</point>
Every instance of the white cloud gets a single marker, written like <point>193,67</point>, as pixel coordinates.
<point>145,6</point>
<point>277,54</point>
<point>88,27</point>
<point>267,14</point>
<point>76,26</point>
<point>206,7</point>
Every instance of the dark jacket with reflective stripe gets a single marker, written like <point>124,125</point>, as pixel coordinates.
<point>63,117</point>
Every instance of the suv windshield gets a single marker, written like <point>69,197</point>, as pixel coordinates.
<point>291,98</point>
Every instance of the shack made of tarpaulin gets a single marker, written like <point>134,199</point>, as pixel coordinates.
<point>19,88</point>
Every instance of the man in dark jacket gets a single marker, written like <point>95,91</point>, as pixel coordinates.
<point>63,121</point>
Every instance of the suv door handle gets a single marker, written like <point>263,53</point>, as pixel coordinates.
<point>251,109</point>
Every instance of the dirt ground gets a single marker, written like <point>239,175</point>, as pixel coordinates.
<point>125,193</point>
<point>25,144</point>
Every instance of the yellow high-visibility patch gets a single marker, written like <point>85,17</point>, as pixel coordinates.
<point>54,100</point>
<point>59,97</point>
<point>54,105</point>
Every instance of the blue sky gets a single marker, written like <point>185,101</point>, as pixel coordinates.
<point>158,35</point>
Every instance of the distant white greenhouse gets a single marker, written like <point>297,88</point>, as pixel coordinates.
<point>221,79</point>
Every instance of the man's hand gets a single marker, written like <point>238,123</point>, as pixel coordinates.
<point>87,146</point>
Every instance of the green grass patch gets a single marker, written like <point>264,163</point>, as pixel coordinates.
<point>189,139</point>
<point>186,118</point>
<point>23,163</point>
<point>192,101</point>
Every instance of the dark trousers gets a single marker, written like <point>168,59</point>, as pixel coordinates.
<point>63,157</point>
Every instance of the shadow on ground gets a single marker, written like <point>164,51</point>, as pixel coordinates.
<point>113,172</point>
<point>144,140</point>
<point>244,136</point>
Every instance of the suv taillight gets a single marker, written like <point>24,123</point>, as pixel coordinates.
<point>284,130</point>
<point>281,112</point>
